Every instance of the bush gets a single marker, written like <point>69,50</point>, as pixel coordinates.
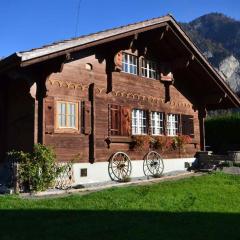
<point>37,170</point>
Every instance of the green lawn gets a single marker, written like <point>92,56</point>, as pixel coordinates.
<point>206,207</point>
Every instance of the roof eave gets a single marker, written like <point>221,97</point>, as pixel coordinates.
<point>9,62</point>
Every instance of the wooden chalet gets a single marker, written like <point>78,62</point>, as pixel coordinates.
<point>87,97</point>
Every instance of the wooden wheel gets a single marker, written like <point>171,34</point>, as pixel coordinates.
<point>120,166</point>
<point>153,164</point>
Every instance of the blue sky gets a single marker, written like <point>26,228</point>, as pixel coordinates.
<point>25,24</point>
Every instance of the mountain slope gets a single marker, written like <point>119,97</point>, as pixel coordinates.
<point>218,37</point>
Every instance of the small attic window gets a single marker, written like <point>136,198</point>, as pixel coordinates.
<point>89,66</point>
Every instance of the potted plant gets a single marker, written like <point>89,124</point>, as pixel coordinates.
<point>141,142</point>
<point>179,142</point>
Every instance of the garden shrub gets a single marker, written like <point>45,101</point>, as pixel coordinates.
<point>38,170</point>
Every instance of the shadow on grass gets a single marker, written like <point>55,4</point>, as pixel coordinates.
<point>45,224</point>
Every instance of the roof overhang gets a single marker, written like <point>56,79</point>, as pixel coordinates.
<point>24,59</point>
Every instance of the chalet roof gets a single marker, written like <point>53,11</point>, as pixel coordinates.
<point>82,40</point>
<point>33,56</point>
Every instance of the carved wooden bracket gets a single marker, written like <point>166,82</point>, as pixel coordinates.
<point>167,77</point>
<point>134,42</point>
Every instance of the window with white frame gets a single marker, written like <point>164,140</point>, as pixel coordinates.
<point>67,114</point>
<point>129,63</point>
<point>172,124</point>
<point>149,69</point>
<point>139,122</point>
<point>157,123</point>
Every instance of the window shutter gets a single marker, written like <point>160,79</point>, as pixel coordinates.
<point>164,124</point>
<point>118,61</point>
<point>87,117</point>
<point>49,115</point>
<point>125,121</point>
<point>148,124</point>
<point>179,125</point>
<point>115,120</point>
<point>187,125</point>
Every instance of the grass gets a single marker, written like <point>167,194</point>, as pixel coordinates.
<point>206,207</point>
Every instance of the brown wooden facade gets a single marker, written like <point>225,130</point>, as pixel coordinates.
<point>90,76</point>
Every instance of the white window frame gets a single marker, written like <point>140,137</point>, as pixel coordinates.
<point>129,63</point>
<point>69,118</point>
<point>172,124</point>
<point>149,69</point>
<point>157,123</point>
<point>139,122</point>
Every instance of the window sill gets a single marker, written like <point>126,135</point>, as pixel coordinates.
<point>67,130</point>
<point>134,77</point>
<point>119,139</point>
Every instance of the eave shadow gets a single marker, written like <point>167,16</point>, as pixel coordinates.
<point>117,225</point>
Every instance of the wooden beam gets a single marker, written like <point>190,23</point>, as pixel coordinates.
<point>133,43</point>
<point>163,34</point>
<point>92,140</point>
<point>181,63</point>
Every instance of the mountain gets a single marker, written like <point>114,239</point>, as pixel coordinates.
<point>218,37</point>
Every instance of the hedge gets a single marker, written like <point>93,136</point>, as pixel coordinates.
<point>223,132</point>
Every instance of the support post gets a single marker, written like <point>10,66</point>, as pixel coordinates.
<point>92,135</point>
<point>201,117</point>
<point>41,94</point>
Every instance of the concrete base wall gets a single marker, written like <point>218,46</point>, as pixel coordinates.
<point>98,172</point>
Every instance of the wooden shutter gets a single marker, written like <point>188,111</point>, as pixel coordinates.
<point>49,115</point>
<point>164,124</point>
<point>148,124</point>
<point>125,121</point>
<point>119,120</point>
<point>118,61</point>
<point>115,120</point>
<point>187,125</point>
<point>87,129</point>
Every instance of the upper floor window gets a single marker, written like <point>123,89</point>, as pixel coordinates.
<point>149,69</point>
<point>67,115</point>
<point>139,122</point>
<point>129,63</point>
<point>157,123</point>
<point>172,124</point>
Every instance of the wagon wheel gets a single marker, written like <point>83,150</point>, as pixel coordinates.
<point>119,166</point>
<point>153,164</point>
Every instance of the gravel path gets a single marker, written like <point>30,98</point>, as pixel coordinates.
<point>94,187</point>
<point>232,170</point>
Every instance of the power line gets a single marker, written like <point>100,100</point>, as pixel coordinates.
<point>77,18</point>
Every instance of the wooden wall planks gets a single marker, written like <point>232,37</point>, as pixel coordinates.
<point>127,90</point>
